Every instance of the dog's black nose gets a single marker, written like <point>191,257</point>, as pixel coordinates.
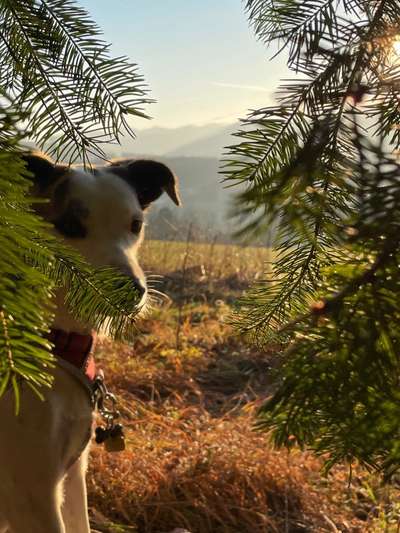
<point>139,287</point>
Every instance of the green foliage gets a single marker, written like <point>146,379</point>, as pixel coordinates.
<point>307,164</point>
<point>33,264</point>
<point>339,393</point>
<point>24,353</point>
<point>54,63</point>
<point>60,87</point>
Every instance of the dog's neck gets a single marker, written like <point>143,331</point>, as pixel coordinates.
<point>64,320</point>
<point>75,349</point>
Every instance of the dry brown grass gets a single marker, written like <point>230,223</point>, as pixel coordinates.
<point>213,271</point>
<point>193,459</point>
<point>220,261</point>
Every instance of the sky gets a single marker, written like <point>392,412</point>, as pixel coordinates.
<point>200,58</point>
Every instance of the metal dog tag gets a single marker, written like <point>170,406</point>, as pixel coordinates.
<point>111,434</point>
<point>115,444</point>
<point>115,441</point>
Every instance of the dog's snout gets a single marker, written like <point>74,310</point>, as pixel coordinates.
<point>138,281</point>
<point>139,287</point>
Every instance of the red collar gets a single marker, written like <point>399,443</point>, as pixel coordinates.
<point>76,349</point>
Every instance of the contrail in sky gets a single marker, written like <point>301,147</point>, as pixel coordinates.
<point>258,88</point>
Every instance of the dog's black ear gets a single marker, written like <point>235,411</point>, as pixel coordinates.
<point>48,181</point>
<point>45,173</point>
<point>149,179</point>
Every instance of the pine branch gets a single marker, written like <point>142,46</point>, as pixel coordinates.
<point>302,25</point>
<point>339,395</point>
<point>33,265</point>
<point>333,293</point>
<point>295,160</point>
<point>73,97</point>
<point>61,73</point>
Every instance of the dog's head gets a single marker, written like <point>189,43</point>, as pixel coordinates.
<point>101,213</point>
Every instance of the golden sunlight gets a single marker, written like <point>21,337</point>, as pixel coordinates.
<point>396,45</point>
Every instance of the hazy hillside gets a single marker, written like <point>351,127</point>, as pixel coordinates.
<point>205,200</point>
<point>210,146</point>
<point>193,152</point>
<point>202,141</point>
<point>200,184</point>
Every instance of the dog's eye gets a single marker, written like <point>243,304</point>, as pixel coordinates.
<point>136,226</point>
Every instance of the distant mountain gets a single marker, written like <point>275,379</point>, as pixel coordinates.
<point>212,145</point>
<point>203,194</point>
<point>194,153</point>
<point>187,141</point>
<point>205,202</point>
<point>200,141</point>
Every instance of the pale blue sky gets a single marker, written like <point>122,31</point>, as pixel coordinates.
<point>199,57</point>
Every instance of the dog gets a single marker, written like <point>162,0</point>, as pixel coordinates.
<point>44,449</point>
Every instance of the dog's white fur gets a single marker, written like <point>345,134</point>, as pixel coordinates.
<point>43,450</point>
<point>112,205</point>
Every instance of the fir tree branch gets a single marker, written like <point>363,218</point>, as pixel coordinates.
<point>297,270</point>
<point>62,74</point>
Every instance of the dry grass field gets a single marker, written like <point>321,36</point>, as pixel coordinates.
<point>188,390</point>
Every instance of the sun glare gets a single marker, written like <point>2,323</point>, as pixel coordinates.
<point>396,46</point>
